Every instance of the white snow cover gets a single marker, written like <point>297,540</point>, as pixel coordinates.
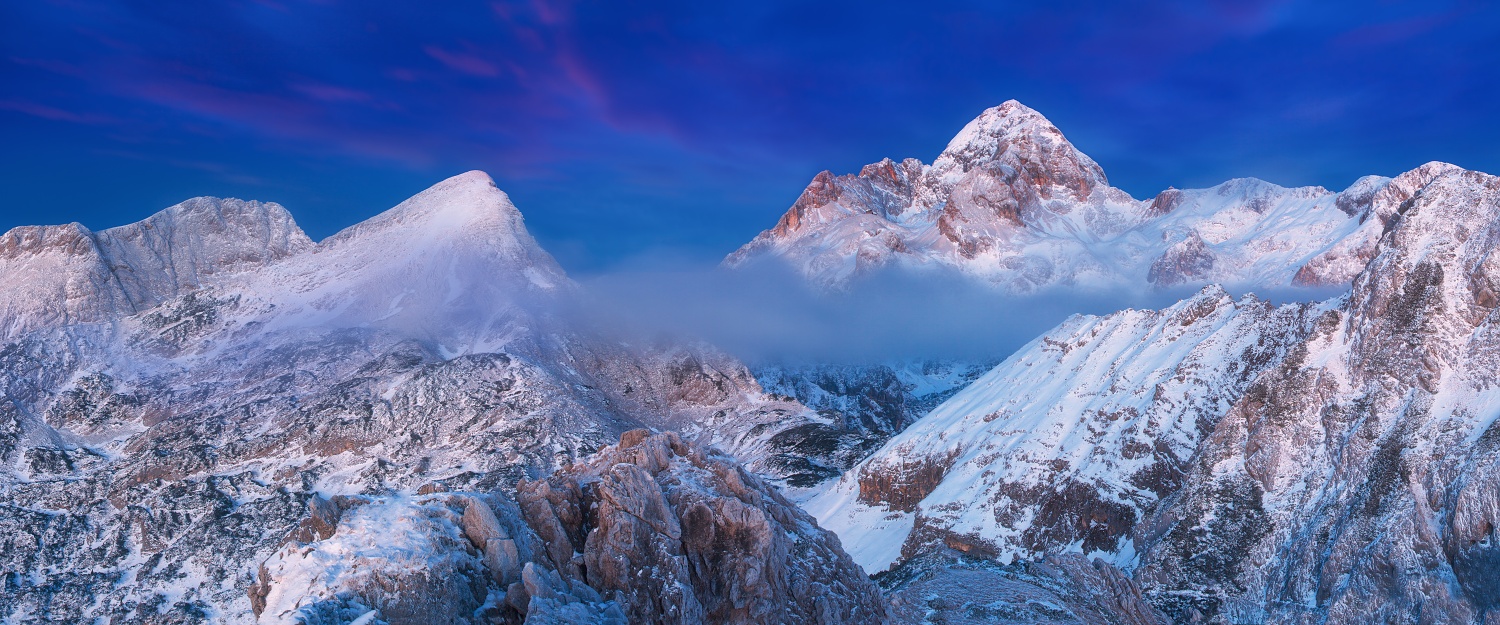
<point>453,251</point>
<point>1098,401</point>
<point>379,547</point>
<point>1010,201</point>
<point>61,275</point>
<point>431,343</point>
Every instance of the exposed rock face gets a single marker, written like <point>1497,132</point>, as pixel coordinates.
<point>676,534</point>
<point>653,530</point>
<point>1070,589</point>
<point>1013,203</point>
<point>164,453</point>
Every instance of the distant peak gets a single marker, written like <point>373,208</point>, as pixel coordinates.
<point>461,199</point>
<point>1014,109</point>
<point>1016,136</point>
<point>998,125</point>
<point>472,177</point>
<point>464,210</point>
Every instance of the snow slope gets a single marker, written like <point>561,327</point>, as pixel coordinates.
<point>1067,443</point>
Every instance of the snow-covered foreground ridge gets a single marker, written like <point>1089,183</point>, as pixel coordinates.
<point>1336,462</point>
<point>1011,202</point>
<point>181,395</point>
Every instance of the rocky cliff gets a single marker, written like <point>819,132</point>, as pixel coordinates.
<point>652,530</point>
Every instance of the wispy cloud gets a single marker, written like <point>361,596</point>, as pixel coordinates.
<point>53,113</point>
<point>464,62</point>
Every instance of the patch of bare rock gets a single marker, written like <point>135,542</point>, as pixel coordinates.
<point>652,530</point>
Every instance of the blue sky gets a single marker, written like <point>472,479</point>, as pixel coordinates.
<point>630,129</point>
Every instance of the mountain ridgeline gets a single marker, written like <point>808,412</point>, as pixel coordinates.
<point>209,417</point>
<point>1013,204</point>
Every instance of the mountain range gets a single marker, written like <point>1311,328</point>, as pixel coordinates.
<point>1012,203</point>
<point>209,417</point>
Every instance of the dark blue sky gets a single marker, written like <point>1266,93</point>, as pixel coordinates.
<point>623,129</point>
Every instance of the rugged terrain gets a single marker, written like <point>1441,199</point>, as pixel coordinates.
<point>177,391</point>
<point>1311,463</point>
<point>1012,203</point>
<point>652,530</point>
<point>865,405</point>
<point>207,416</point>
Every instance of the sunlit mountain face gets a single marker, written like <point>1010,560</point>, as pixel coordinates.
<point>815,314</point>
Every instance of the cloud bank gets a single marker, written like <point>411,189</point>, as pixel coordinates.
<point>768,314</point>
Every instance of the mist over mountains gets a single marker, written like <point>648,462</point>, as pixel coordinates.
<point>768,313</point>
<point>990,372</point>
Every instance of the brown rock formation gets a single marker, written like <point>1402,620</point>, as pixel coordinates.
<point>676,534</point>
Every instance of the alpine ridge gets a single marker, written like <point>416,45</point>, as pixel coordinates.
<point>1015,205</point>
<point>1239,462</point>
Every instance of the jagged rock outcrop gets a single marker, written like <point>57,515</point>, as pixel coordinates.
<point>1354,481</point>
<point>943,587</point>
<point>1012,203</point>
<point>652,530</point>
<point>677,534</point>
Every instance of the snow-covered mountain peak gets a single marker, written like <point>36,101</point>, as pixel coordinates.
<point>59,275</point>
<point>465,219</point>
<point>1013,204</point>
<point>464,202</point>
<point>998,123</point>
<point>207,212</point>
<point>1017,137</point>
<point>183,247</point>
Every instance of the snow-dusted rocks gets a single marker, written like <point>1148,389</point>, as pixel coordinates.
<point>150,459</point>
<point>861,406</point>
<point>62,275</point>
<point>1011,202</point>
<point>1324,463</point>
<point>1057,590</point>
<point>652,530</point>
<point>396,560</point>
<point>1068,443</point>
<point>678,534</point>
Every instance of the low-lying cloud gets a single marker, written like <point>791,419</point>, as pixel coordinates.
<point>769,314</point>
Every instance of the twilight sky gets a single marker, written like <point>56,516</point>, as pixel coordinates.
<point>624,129</point>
